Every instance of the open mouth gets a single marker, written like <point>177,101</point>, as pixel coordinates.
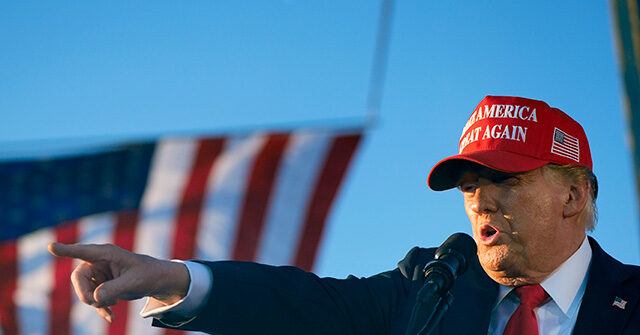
<point>488,233</point>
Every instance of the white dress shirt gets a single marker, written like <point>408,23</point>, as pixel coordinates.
<point>566,287</point>
<point>197,295</point>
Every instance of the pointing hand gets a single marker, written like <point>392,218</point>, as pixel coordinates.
<point>109,273</point>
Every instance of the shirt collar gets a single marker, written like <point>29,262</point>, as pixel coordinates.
<point>563,283</point>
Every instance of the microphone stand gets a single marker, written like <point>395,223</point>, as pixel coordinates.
<point>441,308</point>
<point>428,310</point>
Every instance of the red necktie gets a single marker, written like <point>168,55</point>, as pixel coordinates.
<point>523,321</point>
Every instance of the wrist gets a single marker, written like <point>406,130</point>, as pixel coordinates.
<point>173,280</point>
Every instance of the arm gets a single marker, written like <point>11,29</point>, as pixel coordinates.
<point>249,297</point>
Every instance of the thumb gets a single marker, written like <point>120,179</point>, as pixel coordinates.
<point>104,296</point>
<point>108,293</point>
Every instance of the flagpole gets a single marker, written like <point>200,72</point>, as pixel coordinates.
<point>379,65</point>
<point>627,22</point>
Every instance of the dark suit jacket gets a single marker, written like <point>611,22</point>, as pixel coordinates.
<point>249,298</point>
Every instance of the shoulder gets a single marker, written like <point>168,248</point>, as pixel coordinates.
<point>613,267</point>
<point>415,260</point>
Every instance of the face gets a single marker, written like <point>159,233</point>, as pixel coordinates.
<point>518,223</point>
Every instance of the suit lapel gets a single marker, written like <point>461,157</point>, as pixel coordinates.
<point>606,282</point>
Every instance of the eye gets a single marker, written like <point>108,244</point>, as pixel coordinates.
<point>468,187</point>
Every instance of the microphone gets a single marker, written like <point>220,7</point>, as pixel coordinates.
<point>433,299</point>
<point>452,259</point>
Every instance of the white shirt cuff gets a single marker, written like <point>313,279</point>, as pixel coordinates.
<point>190,305</point>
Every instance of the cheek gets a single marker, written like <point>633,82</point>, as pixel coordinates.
<point>535,222</point>
<point>543,209</point>
<point>473,218</point>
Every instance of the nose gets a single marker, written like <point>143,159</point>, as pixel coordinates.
<point>483,200</point>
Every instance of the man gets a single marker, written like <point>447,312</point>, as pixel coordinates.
<point>525,173</point>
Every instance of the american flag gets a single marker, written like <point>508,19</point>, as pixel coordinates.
<point>263,197</point>
<point>620,303</point>
<point>565,145</point>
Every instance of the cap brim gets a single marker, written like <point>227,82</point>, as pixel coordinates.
<point>447,172</point>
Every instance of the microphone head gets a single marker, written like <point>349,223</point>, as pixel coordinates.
<point>460,245</point>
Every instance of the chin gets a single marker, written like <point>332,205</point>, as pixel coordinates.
<point>503,265</point>
<point>497,258</point>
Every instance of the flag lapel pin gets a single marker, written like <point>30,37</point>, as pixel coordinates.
<point>619,302</point>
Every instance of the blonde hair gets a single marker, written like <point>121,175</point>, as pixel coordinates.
<point>573,173</point>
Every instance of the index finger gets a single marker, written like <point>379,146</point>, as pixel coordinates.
<point>86,252</point>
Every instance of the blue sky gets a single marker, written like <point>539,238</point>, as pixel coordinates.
<point>85,72</point>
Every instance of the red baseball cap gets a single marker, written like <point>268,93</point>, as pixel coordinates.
<point>513,134</point>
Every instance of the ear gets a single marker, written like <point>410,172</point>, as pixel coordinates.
<point>576,199</point>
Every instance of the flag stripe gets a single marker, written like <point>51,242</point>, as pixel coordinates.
<point>124,237</point>
<point>8,287</point>
<point>192,200</point>
<point>172,161</point>
<point>568,137</point>
<point>92,229</point>
<point>326,189</point>
<point>566,151</point>
<point>257,197</point>
<point>570,140</point>
<point>225,192</point>
<point>35,274</point>
<point>60,300</point>
<point>567,144</point>
<point>294,185</point>
<point>193,197</point>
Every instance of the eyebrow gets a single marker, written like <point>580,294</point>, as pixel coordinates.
<point>494,176</point>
